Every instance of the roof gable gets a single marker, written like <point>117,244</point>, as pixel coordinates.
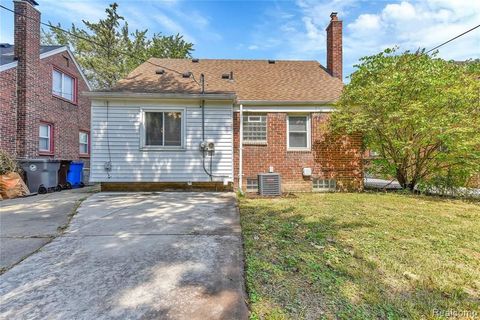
<point>8,61</point>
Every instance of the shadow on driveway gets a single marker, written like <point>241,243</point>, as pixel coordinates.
<point>136,256</point>
<point>27,224</point>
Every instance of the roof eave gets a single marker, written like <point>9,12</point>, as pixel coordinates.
<point>285,102</point>
<point>170,96</point>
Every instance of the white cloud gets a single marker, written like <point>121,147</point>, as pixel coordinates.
<point>172,26</point>
<point>399,12</point>
<point>422,24</point>
<point>182,19</point>
<point>74,11</point>
<point>366,23</point>
<point>370,27</point>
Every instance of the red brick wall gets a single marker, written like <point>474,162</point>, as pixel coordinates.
<point>8,111</point>
<point>27,52</point>
<point>334,47</point>
<point>67,118</point>
<point>336,157</point>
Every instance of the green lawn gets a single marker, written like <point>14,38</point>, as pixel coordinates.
<point>361,256</point>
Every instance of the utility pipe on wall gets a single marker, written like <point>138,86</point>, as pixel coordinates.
<point>240,153</point>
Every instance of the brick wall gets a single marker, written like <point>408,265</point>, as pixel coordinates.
<point>331,157</point>
<point>67,118</point>
<point>8,111</point>
<point>334,47</point>
<point>27,100</point>
<point>27,52</point>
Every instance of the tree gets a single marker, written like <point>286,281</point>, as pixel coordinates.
<point>419,112</point>
<point>107,50</point>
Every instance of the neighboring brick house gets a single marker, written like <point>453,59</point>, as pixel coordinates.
<point>43,114</point>
<point>261,116</point>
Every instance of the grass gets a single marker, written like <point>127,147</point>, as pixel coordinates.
<point>361,256</point>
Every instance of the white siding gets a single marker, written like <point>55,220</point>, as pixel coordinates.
<point>130,164</point>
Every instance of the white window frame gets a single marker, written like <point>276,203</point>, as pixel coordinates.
<point>143,131</point>
<point>48,137</point>
<point>309,133</point>
<point>251,118</point>
<point>248,188</point>
<point>81,143</point>
<point>62,80</point>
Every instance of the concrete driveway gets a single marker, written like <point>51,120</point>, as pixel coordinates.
<point>27,224</point>
<point>136,256</point>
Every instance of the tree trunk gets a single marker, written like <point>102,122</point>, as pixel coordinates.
<point>401,178</point>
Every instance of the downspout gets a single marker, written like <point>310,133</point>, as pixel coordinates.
<point>240,153</point>
<point>202,80</point>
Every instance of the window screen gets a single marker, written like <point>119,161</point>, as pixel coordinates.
<point>324,185</point>
<point>255,128</point>
<point>163,129</point>
<point>298,132</point>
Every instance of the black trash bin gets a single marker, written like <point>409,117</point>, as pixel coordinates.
<point>62,175</point>
<point>41,174</point>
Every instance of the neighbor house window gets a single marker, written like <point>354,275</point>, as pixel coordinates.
<point>64,85</point>
<point>84,142</point>
<point>255,128</point>
<point>163,129</point>
<point>252,185</point>
<point>45,138</point>
<point>298,134</point>
<point>323,185</point>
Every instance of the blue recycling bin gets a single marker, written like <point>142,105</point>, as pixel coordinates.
<point>75,175</point>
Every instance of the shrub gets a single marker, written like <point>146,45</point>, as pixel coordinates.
<point>8,163</point>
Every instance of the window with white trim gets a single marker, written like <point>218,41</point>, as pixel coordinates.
<point>63,85</point>
<point>45,141</point>
<point>163,129</point>
<point>84,141</point>
<point>298,132</point>
<point>252,185</point>
<point>255,128</point>
<point>324,185</point>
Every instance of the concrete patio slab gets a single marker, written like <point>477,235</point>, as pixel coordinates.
<point>136,256</point>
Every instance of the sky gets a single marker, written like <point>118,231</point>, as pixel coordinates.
<point>291,30</point>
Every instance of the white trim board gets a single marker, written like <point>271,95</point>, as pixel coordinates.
<point>49,54</point>
<point>285,109</point>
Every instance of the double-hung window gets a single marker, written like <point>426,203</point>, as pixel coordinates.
<point>84,142</point>
<point>64,85</point>
<point>45,138</point>
<point>255,128</point>
<point>298,135</point>
<point>163,129</point>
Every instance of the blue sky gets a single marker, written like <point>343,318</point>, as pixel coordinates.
<point>285,29</point>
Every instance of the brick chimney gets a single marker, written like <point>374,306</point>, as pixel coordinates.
<point>27,53</point>
<point>334,46</point>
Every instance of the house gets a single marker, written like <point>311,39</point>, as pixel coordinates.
<point>219,123</point>
<point>42,113</point>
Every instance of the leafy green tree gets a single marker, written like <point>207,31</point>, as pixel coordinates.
<point>419,112</point>
<point>108,51</point>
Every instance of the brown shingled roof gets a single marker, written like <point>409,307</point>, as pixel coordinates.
<point>252,79</point>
